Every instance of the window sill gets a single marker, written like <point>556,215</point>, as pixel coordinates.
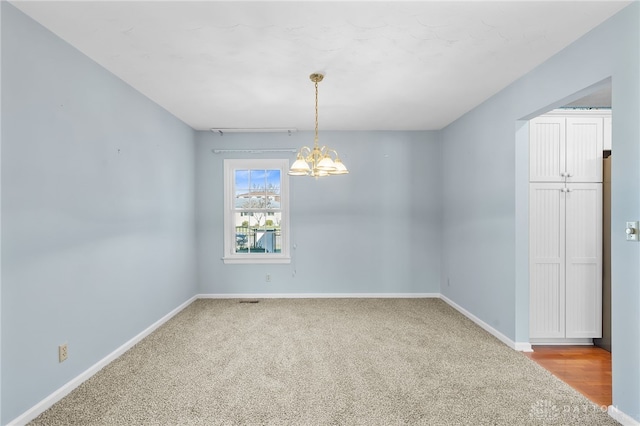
<point>256,259</point>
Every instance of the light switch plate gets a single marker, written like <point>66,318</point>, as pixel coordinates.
<point>632,231</point>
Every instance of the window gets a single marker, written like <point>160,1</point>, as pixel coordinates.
<point>256,211</point>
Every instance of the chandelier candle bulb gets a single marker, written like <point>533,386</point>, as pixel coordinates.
<point>317,162</point>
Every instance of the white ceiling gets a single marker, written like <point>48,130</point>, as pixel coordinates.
<point>389,65</point>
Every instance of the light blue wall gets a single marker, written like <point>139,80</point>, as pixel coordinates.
<point>482,246</point>
<point>97,212</point>
<point>0,217</point>
<point>376,230</point>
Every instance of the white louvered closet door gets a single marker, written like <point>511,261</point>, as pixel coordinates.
<point>547,260</point>
<point>565,174</point>
<point>584,260</point>
<point>584,145</point>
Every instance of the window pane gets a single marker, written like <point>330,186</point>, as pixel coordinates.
<point>241,182</point>
<point>258,181</point>
<point>273,181</point>
<point>243,235</point>
<point>273,220</point>
<point>252,202</point>
<point>241,188</point>
<point>258,232</point>
<point>273,189</point>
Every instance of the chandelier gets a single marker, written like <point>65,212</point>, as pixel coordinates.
<point>317,162</point>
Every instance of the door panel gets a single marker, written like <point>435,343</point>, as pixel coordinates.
<point>547,260</point>
<point>547,138</point>
<point>584,149</point>
<point>584,260</point>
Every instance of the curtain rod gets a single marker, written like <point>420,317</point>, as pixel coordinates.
<point>223,130</point>
<point>254,151</point>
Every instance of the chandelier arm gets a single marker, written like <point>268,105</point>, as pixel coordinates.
<point>302,151</point>
<point>332,150</point>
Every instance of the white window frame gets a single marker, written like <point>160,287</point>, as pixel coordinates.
<point>230,166</point>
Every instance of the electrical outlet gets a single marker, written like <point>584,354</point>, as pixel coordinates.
<point>63,352</point>
<point>267,278</point>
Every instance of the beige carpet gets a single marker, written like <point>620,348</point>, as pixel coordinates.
<point>323,362</point>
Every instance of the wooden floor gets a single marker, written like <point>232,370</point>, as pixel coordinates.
<point>586,368</point>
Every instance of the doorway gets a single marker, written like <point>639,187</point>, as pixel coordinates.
<point>588,368</point>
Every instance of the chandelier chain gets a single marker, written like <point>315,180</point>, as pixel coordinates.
<point>316,138</point>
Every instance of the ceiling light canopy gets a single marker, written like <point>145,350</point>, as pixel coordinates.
<point>317,162</point>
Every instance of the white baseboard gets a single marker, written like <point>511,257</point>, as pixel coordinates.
<point>57,395</point>
<point>580,341</point>
<point>317,295</point>
<point>518,346</point>
<point>523,347</point>
<point>622,418</point>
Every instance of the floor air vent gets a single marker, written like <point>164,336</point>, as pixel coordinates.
<point>249,301</point>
